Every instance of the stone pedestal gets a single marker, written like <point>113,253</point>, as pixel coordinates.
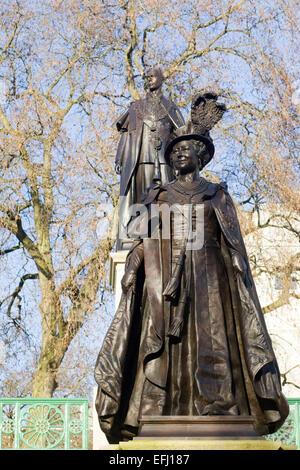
<point>116,271</point>
<point>197,444</point>
<point>199,433</point>
<point>197,427</point>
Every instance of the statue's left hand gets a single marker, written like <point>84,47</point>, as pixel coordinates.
<point>128,281</point>
<point>239,264</point>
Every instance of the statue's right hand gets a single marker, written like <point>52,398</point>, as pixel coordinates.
<point>118,168</point>
<point>128,281</point>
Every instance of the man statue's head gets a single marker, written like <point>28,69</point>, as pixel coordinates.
<point>154,79</point>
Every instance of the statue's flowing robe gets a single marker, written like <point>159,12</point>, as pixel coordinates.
<point>221,360</point>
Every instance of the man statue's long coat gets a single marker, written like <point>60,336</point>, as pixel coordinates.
<point>222,362</point>
<point>136,146</point>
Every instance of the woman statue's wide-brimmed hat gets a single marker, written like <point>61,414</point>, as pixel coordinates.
<point>187,133</point>
<point>205,113</point>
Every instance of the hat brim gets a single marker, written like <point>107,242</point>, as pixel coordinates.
<point>208,143</point>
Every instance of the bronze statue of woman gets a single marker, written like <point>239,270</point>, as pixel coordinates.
<point>189,337</point>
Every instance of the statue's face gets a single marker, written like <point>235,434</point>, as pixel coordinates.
<point>184,157</point>
<point>153,79</point>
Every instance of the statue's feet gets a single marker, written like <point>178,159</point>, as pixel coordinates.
<point>128,432</point>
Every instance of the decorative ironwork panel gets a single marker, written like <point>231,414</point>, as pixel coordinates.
<point>289,433</point>
<point>43,424</point>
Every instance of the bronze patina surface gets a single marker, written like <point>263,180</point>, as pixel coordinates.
<point>189,337</point>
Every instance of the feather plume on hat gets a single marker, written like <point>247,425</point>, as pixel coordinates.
<point>205,113</point>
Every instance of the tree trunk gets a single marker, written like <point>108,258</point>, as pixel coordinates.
<point>51,354</point>
<point>44,383</point>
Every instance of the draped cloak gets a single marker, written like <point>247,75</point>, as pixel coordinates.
<point>222,362</point>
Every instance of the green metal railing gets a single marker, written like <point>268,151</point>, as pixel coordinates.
<point>43,424</point>
<point>289,433</point>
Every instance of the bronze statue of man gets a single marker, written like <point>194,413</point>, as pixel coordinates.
<point>189,337</point>
<point>144,128</point>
